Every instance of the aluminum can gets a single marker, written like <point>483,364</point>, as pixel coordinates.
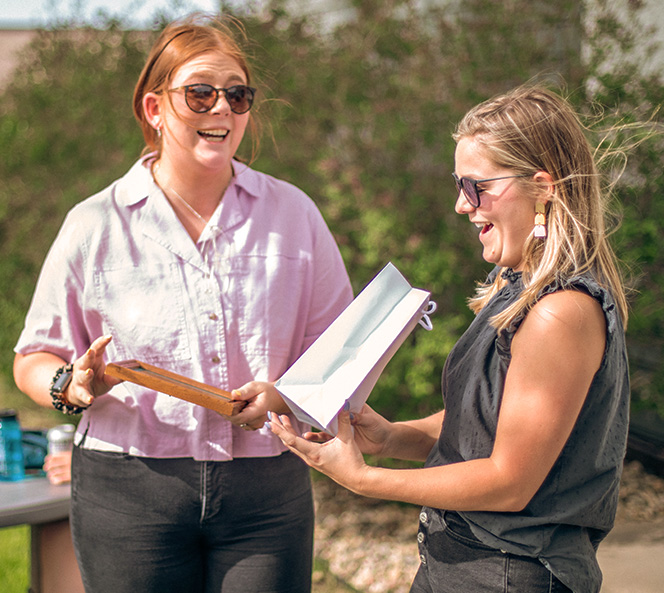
<point>60,438</point>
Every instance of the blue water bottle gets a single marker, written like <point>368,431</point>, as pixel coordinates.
<point>11,447</point>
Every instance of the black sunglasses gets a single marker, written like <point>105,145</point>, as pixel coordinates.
<point>200,98</point>
<point>469,187</point>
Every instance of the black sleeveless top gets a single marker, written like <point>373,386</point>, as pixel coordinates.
<point>575,507</point>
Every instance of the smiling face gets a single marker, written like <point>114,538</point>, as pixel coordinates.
<point>199,142</point>
<point>505,216</point>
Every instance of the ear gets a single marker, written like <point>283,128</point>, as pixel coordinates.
<point>152,109</point>
<point>546,184</point>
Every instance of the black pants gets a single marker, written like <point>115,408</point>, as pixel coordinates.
<point>181,526</point>
<point>453,560</point>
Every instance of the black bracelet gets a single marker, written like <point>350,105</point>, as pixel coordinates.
<point>59,384</point>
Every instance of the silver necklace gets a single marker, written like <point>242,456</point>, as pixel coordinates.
<point>186,204</point>
<point>214,260</point>
<point>189,207</point>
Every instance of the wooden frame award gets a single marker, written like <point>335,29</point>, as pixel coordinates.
<point>176,385</point>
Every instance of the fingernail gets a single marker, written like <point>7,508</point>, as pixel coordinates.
<point>346,406</point>
<point>269,415</point>
<point>352,416</point>
<point>268,425</point>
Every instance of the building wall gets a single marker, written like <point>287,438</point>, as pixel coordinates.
<point>12,41</point>
<point>645,18</point>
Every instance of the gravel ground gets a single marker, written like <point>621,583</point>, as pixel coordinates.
<point>370,544</point>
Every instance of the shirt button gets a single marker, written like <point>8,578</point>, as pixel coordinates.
<point>216,359</point>
<point>213,316</point>
<point>424,518</point>
<point>420,537</point>
<point>423,559</point>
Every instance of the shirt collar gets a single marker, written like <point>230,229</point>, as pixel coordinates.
<point>137,183</point>
<point>247,179</point>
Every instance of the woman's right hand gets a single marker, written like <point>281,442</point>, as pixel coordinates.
<point>339,457</point>
<point>89,379</point>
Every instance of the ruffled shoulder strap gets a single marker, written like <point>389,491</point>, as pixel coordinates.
<point>585,284</point>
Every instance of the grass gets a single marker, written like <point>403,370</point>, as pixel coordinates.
<point>15,559</point>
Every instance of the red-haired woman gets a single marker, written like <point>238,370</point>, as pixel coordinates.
<point>197,263</point>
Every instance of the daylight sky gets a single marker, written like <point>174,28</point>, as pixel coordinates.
<point>30,13</point>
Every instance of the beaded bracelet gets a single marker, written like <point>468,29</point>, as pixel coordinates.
<point>59,384</point>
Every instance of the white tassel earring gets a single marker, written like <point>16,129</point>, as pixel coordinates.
<point>540,221</point>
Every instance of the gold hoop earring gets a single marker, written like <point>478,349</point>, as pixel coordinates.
<point>540,221</point>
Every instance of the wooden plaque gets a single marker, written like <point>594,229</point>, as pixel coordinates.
<point>176,385</point>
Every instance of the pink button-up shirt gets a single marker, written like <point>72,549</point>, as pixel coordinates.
<point>263,282</point>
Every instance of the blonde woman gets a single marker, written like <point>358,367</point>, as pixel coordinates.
<point>194,262</point>
<point>522,468</point>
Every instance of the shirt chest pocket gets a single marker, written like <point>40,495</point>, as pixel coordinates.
<point>143,308</point>
<point>270,294</point>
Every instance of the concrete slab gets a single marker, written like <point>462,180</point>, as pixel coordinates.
<point>632,558</point>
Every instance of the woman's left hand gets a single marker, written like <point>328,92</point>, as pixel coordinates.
<point>339,458</point>
<point>261,397</point>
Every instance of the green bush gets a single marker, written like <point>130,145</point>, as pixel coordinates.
<point>361,117</point>
<point>66,131</point>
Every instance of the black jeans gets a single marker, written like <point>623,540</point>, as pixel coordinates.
<point>453,560</point>
<point>183,526</point>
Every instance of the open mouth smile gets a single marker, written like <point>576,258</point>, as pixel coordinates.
<point>214,135</point>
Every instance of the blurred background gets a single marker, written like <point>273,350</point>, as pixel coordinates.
<point>360,98</point>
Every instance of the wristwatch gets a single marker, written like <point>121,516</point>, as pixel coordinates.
<point>61,381</point>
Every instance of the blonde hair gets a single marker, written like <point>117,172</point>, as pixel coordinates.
<point>532,129</point>
<point>176,45</point>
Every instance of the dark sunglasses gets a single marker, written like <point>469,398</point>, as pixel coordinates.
<point>200,98</point>
<point>469,187</point>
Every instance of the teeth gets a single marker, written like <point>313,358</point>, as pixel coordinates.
<point>214,133</point>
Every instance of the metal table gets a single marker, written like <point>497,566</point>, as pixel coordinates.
<point>33,500</point>
<point>45,507</point>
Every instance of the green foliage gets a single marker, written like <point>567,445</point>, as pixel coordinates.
<point>66,131</point>
<point>361,116</point>
<point>628,101</point>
